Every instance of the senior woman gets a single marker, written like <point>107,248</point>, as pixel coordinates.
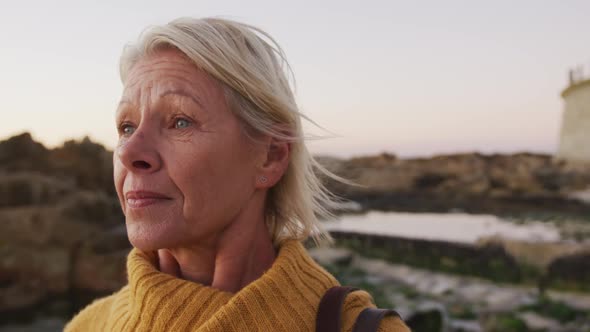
<point>218,190</point>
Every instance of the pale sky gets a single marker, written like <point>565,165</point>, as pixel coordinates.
<point>414,78</point>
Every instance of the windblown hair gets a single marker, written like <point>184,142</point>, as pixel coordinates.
<point>256,78</point>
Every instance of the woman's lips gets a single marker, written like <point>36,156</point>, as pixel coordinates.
<point>139,199</point>
<point>142,202</point>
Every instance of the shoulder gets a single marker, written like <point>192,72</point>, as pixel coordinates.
<point>95,316</point>
<point>358,301</point>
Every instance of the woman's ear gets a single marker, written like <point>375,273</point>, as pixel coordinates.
<point>278,154</point>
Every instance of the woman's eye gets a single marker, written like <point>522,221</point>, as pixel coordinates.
<point>127,129</point>
<point>181,123</point>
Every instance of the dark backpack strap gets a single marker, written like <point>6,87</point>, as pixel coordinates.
<point>329,318</point>
<point>369,319</point>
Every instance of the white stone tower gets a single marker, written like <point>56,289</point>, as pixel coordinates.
<point>574,142</point>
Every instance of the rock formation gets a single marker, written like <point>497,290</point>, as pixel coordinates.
<point>60,222</point>
<point>499,184</point>
<point>63,240</point>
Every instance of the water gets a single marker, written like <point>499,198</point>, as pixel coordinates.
<point>454,227</point>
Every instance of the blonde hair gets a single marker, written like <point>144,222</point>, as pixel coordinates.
<point>254,72</point>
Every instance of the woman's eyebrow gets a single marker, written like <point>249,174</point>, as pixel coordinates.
<point>120,111</point>
<point>183,93</point>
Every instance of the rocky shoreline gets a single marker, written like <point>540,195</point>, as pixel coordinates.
<point>522,184</point>
<point>63,240</point>
<point>435,301</point>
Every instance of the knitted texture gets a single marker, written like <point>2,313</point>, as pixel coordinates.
<point>285,298</point>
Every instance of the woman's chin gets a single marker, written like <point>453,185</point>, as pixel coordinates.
<point>148,239</point>
<point>144,244</point>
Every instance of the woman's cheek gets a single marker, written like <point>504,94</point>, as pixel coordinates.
<point>119,177</point>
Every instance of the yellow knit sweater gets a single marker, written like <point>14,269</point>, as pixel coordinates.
<point>285,298</point>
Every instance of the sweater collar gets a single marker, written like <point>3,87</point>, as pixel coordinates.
<point>287,294</point>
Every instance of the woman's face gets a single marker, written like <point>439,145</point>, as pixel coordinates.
<point>183,168</point>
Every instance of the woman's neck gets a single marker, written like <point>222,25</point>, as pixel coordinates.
<point>235,258</point>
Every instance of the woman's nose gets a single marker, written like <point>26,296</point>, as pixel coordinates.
<point>139,154</point>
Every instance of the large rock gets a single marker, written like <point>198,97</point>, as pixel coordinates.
<point>518,183</point>
<point>536,254</point>
<point>21,152</point>
<point>62,233</point>
<point>29,275</point>
<point>537,322</point>
<point>60,250</point>
<point>428,316</point>
<point>86,164</point>
<point>32,188</point>
<point>89,164</point>
<point>571,270</point>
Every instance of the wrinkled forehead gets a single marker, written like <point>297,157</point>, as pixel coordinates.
<point>157,74</point>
